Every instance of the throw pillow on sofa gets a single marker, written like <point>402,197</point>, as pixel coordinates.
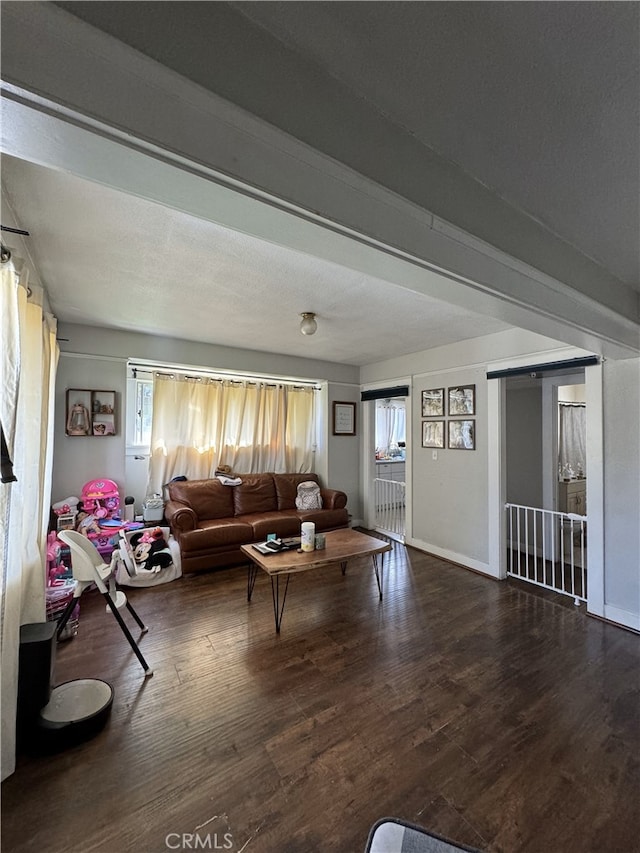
<point>308,496</point>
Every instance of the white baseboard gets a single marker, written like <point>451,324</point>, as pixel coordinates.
<point>356,522</point>
<point>453,557</point>
<point>622,617</point>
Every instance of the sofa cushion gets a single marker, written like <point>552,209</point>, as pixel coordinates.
<point>217,533</point>
<point>286,486</point>
<point>207,498</point>
<point>256,493</point>
<point>325,519</point>
<point>280,523</point>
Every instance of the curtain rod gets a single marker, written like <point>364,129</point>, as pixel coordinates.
<point>221,376</point>
<point>266,384</point>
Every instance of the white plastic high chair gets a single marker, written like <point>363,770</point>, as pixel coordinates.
<point>88,567</point>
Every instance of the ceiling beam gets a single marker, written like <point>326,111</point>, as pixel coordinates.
<point>63,109</point>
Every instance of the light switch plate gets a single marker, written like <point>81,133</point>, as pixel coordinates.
<point>434,455</point>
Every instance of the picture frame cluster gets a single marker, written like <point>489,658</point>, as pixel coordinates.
<point>456,425</point>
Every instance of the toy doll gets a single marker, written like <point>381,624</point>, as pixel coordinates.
<point>86,524</point>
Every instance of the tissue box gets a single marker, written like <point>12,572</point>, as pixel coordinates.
<point>153,509</point>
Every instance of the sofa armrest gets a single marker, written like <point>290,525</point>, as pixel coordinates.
<point>333,499</point>
<point>181,517</point>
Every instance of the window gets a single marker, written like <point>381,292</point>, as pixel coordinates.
<point>188,423</point>
<point>391,421</point>
<point>139,412</point>
<point>144,411</point>
<point>200,423</point>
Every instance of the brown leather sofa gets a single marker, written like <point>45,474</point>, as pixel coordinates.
<point>211,521</point>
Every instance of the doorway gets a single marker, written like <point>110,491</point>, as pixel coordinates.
<point>545,439</point>
<point>389,482</point>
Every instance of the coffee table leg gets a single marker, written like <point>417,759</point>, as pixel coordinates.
<point>379,571</point>
<point>251,579</point>
<point>278,609</point>
<point>343,566</point>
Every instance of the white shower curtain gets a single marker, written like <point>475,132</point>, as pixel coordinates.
<point>200,423</point>
<point>29,361</point>
<point>572,438</point>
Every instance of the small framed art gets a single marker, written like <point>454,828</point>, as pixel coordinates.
<point>433,403</point>
<point>433,433</point>
<point>462,435</point>
<point>462,400</point>
<point>344,418</point>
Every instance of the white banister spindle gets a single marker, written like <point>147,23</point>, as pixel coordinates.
<point>390,507</point>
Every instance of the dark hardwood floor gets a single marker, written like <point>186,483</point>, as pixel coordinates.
<point>496,715</point>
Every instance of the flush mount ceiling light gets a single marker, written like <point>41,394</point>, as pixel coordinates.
<point>308,323</point>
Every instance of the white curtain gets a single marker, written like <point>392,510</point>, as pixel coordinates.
<point>29,357</point>
<point>200,424</point>
<point>391,420</point>
<point>572,431</point>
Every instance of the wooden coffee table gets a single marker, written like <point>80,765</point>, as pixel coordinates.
<point>341,546</point>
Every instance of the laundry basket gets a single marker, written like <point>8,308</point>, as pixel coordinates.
<point>153,508</point>
<point>56,599</point>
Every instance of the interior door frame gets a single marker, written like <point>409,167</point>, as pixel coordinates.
<point>497,490</point>
<point>369,451</point>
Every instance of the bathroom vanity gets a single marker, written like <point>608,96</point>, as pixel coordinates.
<point>572,496</point>
<point>389,469</point>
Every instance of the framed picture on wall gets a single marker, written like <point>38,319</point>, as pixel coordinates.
<point>462,435</point>
<point>462,400</point>
<point>433,433</point>
<point>433,403</point>
<point>344,418</point>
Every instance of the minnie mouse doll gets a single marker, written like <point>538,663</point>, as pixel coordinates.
<point>150,550</point>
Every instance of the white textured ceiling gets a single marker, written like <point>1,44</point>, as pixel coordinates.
<point>114,260</point>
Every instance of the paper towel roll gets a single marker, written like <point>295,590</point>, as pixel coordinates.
<point>307,536</point>
<point>129,508</point>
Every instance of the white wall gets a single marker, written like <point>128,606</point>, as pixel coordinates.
<point>449,493</point>
<point>96,358</point>
<point>572,394</point>
<point>77,459</point>
<point>622,491</point>
<point>477,351</point>
<point>123,345</point>
<point>524,445</point>
<point>345,451</point>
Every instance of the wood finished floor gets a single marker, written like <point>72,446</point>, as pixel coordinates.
<point>493,714</point>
